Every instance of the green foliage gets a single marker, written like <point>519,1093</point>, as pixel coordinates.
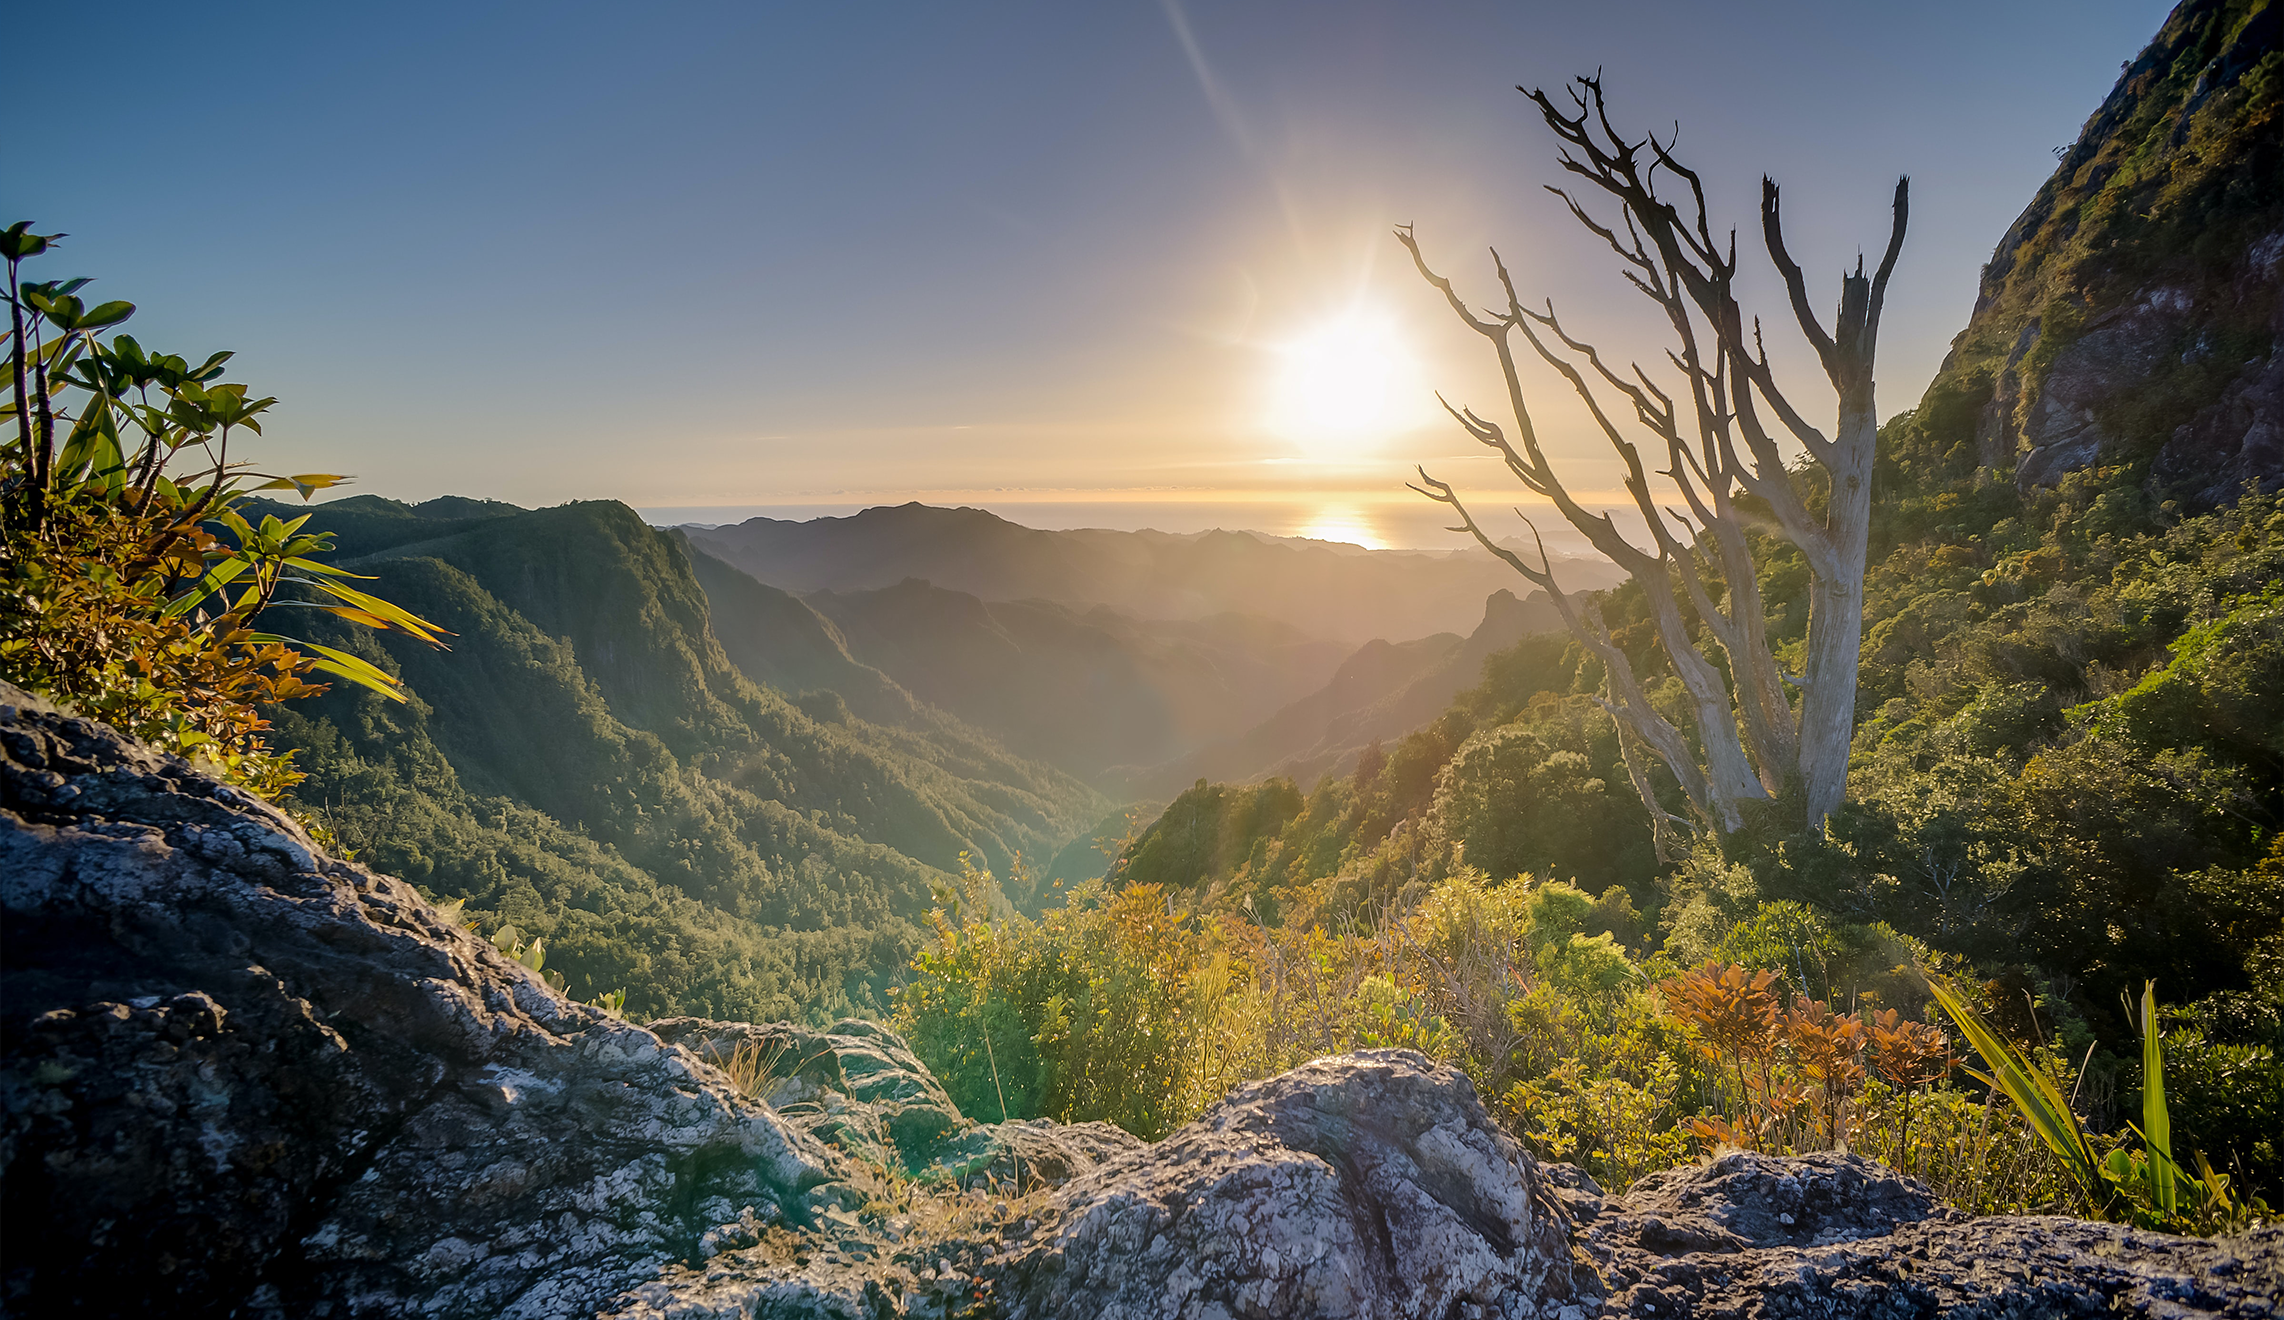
<point>2034,1093</point>
<point>1123,1008</point>
<point>133,581</point>
<point>1506,803</point>
<point>2147,1185</point>
<point>590,768</point>
<point>1522,786</point>
<point>531,953</point>
<point>1210,833</point>
<point>1084,1014</point>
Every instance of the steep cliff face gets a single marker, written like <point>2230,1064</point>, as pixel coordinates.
<point>2133,313</point>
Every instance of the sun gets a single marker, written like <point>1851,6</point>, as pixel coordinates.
<point>1348,383</point>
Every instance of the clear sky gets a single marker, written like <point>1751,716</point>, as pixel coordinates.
<point>1083,263</point>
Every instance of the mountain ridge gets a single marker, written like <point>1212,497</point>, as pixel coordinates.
<point>1348,593</point>
<point>589,765</point>
<point>1383,691</point>
<point>2133,313</point>
<point>1086,690</point>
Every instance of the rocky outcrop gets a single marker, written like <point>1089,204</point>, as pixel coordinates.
<point>1838,1235</point>
<point>1366,1185</point>
<point>1375,1185</point>
<point>2239,436</point>
<point>2071,419</point>
<point>242,1077</point>
<point>2134,312</point>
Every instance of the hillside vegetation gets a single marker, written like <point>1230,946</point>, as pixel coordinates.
<point>587,765</point>
<point>2068,782</point>
<point>1084,690</point>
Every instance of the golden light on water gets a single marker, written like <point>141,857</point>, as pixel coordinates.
<point>1345,386</point>
<point>1343,524</point>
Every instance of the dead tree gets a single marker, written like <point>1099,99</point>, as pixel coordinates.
<point>1723,433</point>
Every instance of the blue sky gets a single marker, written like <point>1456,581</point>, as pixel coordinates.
<point>1040,257</point>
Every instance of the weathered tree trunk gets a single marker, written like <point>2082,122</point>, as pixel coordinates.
<point>1835,638</point>
<point>1754,744</point>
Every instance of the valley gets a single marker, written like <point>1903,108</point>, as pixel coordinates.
<point>1854,888</point>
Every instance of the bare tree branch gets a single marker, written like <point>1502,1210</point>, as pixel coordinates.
<point>1718,449</point>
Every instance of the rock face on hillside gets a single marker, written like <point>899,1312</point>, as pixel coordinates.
<point>240,1077</point>
<point>2134,312</point>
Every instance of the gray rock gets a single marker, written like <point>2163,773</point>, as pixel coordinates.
<point>1841,1236</point>
<point>242,1077</point>
<point>2125,351</point>
<point>2120,351</point>
<point>1371,1184</point>
<point>2239,437</point>
<point>1750,1200</point>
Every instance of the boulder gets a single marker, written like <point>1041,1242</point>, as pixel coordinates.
<point>1371,1184</point>
<point>242,1077</point>
<point>1833,1235</point>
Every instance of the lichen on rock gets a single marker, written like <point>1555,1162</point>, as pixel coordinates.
<point>241,1077</point>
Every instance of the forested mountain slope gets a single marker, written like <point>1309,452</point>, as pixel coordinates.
<point>2069,763</point>
<point>587,763</point>
<point>778,641</point>
<point>1085,690</point>
<point>1383,691</point>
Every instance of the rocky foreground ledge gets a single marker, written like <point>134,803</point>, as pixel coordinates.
<point>242,1078</point>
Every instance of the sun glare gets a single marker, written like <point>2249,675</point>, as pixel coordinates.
<point>1343,525</point>
<point>1348,384</point>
